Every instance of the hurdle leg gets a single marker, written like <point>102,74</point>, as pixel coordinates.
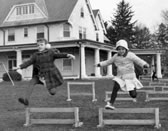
<point>68,92</point>
<point>77,122</point>
<point>157,124</point>
<point>101,124</point>
<point>93,90</point>
<point>27,123</point>
<point>147,97</point>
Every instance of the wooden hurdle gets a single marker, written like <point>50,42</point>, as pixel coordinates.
<point>79,93</point>
<point>120,121</point>
<point>124,96</point>
<point>157,94</point>
<point>75,121</point>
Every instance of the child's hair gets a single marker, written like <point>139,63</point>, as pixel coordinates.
<point>42,40</point>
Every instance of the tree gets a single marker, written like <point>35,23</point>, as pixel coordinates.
<point>121,26</point>
<point>165,16</point>
<point>142,37</point>
<point>162,36</point>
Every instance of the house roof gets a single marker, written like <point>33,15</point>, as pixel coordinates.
<point>57,11</point>
<point>95,12</point>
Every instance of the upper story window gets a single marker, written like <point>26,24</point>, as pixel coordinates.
<point>40,32</point>
<point>82,33</point>
<point>26,32</point>
<point>31,9</point>
<point>97,36</point>
<point>11,35</point>
<point>25,9</point>
<point>66,30</point>
<point>82,12</point>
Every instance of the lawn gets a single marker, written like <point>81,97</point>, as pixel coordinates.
<point>12,116</point>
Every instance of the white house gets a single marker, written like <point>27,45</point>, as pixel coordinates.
<point>72,26</point>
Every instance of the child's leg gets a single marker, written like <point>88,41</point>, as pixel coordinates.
<point>52,91</point>
<point>28,91</point>
<point>116,88</point>
<point>30,87</point>
<point>133,93</point>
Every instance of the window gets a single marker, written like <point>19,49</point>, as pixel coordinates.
<point>11,35</point>
<point>11,62</point>
<point>82,33</point>
<point>25,32</point>
<point>67,64</point>
<point>25,9</point>
<point>97,36</point>
<point>31,9</point>
<point>82,12</point>
<point>18,11</point>
<point>66,30</point>
<point>40,32</point>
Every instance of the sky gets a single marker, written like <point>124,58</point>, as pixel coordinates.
<point>146,12</point>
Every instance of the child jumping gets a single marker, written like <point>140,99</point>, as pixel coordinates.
<point>44,70</point>
<point>126,78</point>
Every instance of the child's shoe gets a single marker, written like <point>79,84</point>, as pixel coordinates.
<point>23,101</point>
<point>109,106</point>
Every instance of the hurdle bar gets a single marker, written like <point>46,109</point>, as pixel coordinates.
<point>120,121</point>
<point>86,94</point>
<point>151,96</point>
<point>75,121</point>
<point>126,96</point>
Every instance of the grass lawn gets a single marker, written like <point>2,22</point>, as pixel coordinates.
<point>12,113</point>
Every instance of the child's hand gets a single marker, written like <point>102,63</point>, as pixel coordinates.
<point>97,65</point>
<point>146,66</point>
<point>15,68</point>
<point>71,56</point>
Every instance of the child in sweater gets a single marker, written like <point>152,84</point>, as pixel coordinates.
<point>126,78</point>
<point>45,71</point>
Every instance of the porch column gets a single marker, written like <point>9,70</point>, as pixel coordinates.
<point>83,63</point>
<point>97,60</point>
<point>159,74</point>
<point>19,59</point>
<point>109,68</point>
<point>152,64</point>
<point>153,61</point>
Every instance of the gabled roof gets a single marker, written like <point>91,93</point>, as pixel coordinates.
<point>97,14</point>
<point>58,11</point>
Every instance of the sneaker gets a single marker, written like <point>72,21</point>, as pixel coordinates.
<point>109,106</point>
<point>134,100</point>
<point>23,101</point>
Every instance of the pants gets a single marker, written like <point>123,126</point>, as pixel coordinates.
<point>116,88</point>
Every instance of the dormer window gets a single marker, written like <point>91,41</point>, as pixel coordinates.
<point>82,12</point>
<point>25,9</point>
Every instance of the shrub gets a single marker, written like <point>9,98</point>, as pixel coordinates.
<point>13,74</point>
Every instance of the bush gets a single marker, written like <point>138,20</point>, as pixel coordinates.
<point>13,74</point>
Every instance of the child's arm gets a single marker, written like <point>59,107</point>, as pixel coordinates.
<point>107,62</point>
<point>26,64</point>
<point>62,55</point>
<point>139,61</point>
